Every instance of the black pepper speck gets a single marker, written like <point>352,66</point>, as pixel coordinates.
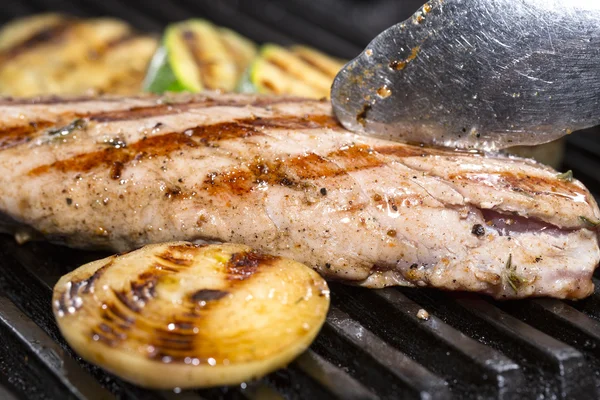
<point>478,230</point>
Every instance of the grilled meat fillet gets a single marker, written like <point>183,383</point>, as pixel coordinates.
<point>281,175</point>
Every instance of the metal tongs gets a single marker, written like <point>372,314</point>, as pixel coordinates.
<point>484,74</point>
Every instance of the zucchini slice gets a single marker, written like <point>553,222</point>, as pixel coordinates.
<point>299,71</point>
<point>242,49</point>
<point>160,77</point>
<point>179,315</point>
<point>197,55</point>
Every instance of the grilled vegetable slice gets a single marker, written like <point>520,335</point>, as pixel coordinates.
<point>198,55</point>
<point>160,77</point>
<point>55,54</point>
<point>184,315</point>
<point>299,70</point>
<point>242,49</point>
<point>21,29</point>
<point>327,65</point>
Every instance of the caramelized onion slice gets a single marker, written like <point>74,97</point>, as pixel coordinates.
<point>184,315</point>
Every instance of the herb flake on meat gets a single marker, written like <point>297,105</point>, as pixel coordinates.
<point>565,176</point>
<point>514,280</point>
<point>588,222</point>
<point>68,129</point>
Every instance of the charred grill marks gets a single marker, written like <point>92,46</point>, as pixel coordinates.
<point>44,36</point>
<point>177,337</point>
<point>525,184</point>
<point>193,45</point>
<point>295,122</point>
<point>294,173</point>
<point>165,144</point>
<point>70,301</point>
<point>165,107</point>
<point>135,113</point>
<point>177,255</point>
<point>206,295</point>
<point>112,44</point>
<point>11,136</point>
<point>128,305</point>
<point>15,135</point>
<point>242,266</point>
<point>92,279</point>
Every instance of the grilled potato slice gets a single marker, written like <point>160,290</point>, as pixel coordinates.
<point>299,70</point>
<point>184,315</point>
<point>19,30</point>
<point>56,54</point>
<point>196,55</point>
<point>326,64</point>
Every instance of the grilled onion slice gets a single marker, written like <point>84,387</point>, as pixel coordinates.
<point>184,315</point>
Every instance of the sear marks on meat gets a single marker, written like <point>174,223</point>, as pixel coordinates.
<point>279,174</point>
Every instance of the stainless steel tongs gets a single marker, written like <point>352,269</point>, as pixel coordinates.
<point>484,74</point>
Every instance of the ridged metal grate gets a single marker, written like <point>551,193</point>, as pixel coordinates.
<point>373,345</point>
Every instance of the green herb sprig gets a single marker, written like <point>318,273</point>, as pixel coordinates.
<point>588,223</point>
<point>514,280</point>
<point>565,176</point>
<point>68,129</point>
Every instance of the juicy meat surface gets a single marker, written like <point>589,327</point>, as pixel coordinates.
<point>281,175</point>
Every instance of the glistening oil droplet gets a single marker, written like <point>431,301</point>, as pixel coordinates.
<point>384,92</point>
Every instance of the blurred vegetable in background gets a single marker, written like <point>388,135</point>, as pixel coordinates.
<point>196,55</point>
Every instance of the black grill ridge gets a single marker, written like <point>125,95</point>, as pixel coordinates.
<point>372,345</point>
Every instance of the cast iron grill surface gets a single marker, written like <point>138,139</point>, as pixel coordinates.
<point>372,346</point>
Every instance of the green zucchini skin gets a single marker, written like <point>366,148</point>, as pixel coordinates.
<point>160,77</point>
<point>197,55</point>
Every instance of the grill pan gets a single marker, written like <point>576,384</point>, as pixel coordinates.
<point>372,346</point>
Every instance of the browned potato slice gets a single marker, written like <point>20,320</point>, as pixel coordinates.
<point>184,315</point>
<point>326,64</point>
<point>298,70</point>
<point>20,30</point>
<point>55,54</point>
